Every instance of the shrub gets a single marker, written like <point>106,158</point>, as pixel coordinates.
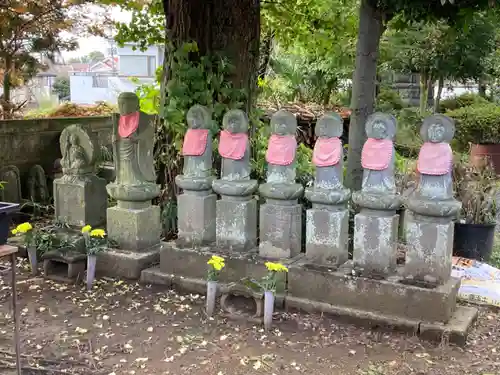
<point>408,139</point>
<point>461,101</point>
<point>389,100</point>
<point>478,124</point>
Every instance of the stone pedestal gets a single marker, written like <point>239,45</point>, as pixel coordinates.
<point>81,201</point>
<point>196,218</point>
<point>280,229</point>
<point>375,242</point>
<point>327,235</point>
<point>236,223</point>
<point>134,228</point>
<point>429,248</point>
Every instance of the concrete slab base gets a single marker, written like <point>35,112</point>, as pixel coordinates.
<point>127,264</point>
<point>455,331</point>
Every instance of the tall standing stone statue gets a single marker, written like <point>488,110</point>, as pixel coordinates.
<point>134,223</point>
<point>281,215</point>
<point>79,195</point>
<point>376,225</point>
<point>236,223</point>
<point>429,227</point>
<point>327,223</point>
<point>196,206</point>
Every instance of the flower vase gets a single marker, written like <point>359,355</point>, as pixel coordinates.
<point>91,261</point>
<point>33,260</point>
<point>211,294</point>
<point>268,309</point>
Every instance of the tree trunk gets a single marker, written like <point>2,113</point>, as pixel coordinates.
<point>437,101</point>
<point>371,28</point>
<point>424,91</point>
<point>482,87</point>
<point>6,80</point>
<point>265,54</point>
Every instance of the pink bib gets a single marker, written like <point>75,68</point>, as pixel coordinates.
<point>281,149</point>
<point>435,159</point>
<point>376,154</point>
<point>327,152</point>
<point>232,145</point>
<point>195,142</point>
<point>128,124</point>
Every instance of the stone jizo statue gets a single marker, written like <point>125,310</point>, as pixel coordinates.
<point>197,174</point>
<point>234,148</point>
<point>377,159</point>
<point>281,156</point>
<point>133,140</point>
<point>434,193</point>
<point>328,160</point>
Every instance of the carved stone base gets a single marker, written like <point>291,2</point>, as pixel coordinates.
<point>327,236</point>
<point>81,201</point>
<point>134,229</point>
<point>429,248</point>
<point>236,292</point>
<point>280,230</point>
<point>127,264</point>
<point>196,218</point>
<point>236,224</point>
<point>66,267</point>
<point>375,243</point>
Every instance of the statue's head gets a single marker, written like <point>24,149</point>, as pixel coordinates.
<point>437,128</point>
<point>128,102</point>
<point>330,125</point>
<point>283,123</point>
<point>73,139</point>
<point>235,121</point>
<point>198,117</point>
<point>381,126</point>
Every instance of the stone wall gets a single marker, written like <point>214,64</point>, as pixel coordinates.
<point>24,143</point>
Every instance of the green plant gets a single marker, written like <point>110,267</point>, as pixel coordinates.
<point>476,187</point>
<point>464,100</point>
<point>2,184</point>
<point>495,255</point>
<point>95,240</point>
<point>478,124</point>
<point>388,101</point>
<point>269,281</point>
<point>215,265</point>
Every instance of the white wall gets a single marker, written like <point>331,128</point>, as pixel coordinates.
<point>82,91</point>
<point>139,63</point>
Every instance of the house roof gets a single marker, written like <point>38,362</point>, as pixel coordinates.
<point>106,64</point>
<point>79,67</point>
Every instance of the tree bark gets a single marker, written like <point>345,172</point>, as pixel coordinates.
<point>423,92</point>
<point>371,28</point>
<point>437,101</point>
<point>6,80</point>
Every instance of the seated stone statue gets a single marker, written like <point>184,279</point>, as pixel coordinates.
<point>77,151</point>
<point>328,160</point>
<point>133,138</point>
<point>378,190</point>
<point>234,148</point>
<point>281,156</point>
<point>433,195</point>
<point>197,174</point>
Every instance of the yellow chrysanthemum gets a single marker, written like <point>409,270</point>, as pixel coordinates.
<point>14,231</point>
<point>217,258</point>
<point>97,233</point>
<point>86,228</point>
<point>276,267</point>
<point>216,262</point>
<point>24,228</point>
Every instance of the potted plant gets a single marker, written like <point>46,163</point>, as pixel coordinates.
<point>215,265</point>
<point>95,243</point>
<point>476,186</point>
<point>268,285</point>
<point>29,241</point>
<point>6,209</point>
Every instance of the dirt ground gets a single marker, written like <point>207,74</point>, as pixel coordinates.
<point>125,328</point>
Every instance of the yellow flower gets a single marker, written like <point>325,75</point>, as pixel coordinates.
<point>216,262</point>
<point>24,228</point>
<point>217,258</point>
<point>86,228</point>
<point>14,231</point>
<point>275,267</point>
<point>97,233</point>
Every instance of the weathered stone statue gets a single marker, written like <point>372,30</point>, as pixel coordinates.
<point>37,185</point>
<point>79,195</point>
<point>429,228</point>
<point>327,223</point>
<point>280,217</point>
<point>235,231</point>
<point>133,141</point>
<point>376,226</point>
<point>11,181</point>
<point>196,206</point>
<point>134,223</point>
